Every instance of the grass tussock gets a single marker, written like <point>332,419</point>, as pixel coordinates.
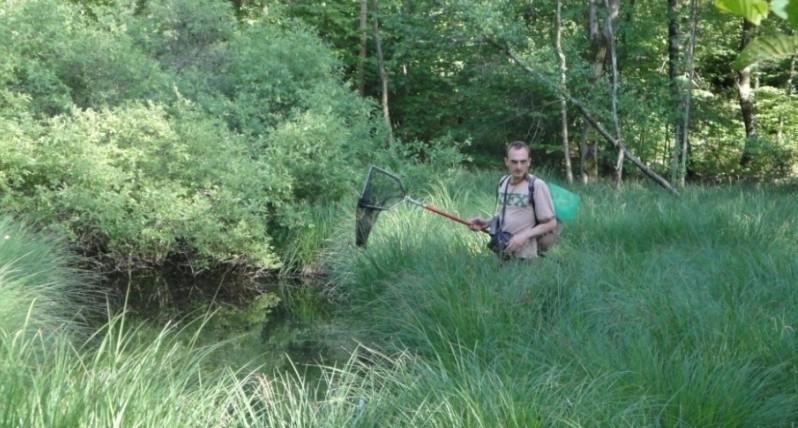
<point>666,311</point>
<point>652,311</point>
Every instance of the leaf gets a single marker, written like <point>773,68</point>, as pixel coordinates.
<point>779,8</point>
<point>767,48</point>
<point>791,10</point>
<point>752,10</point>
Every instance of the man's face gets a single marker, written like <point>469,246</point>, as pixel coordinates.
<point>517,162</point>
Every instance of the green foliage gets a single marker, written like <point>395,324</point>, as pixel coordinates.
<point>163,130</point>
<point>773,48</point>
<point>752,10</point>
<point>185,34</point>
<point>768,47</point>
<point>447,78</point>
<point>141,185</point>
<point>791,10</point>
<point>60,59</point>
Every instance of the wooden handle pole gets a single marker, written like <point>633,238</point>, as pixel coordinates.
<point>449,216</point>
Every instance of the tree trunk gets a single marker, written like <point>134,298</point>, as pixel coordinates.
<point>790,78</point>
<point>688,95</point>
<point>746,96</point>
<point>386,113</point>
<point>589,150</point>
<point>674,74</point>
<point>563,102</point>
<point>613,7</point>
<point>364,41</point>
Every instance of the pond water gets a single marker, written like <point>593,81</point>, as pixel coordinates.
<point>283,325</point>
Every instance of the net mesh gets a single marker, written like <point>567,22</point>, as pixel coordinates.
<point>565,202</point>
<point>381,191</point>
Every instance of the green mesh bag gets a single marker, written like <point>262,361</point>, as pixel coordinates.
<point>565,202</point>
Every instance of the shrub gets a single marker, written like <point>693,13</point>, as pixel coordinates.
<point>136,183</point>
<point>59,57</point>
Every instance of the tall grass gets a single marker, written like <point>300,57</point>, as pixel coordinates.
<point>669,311</point>
<point>55,372</point>
<point>34,269</point>
<point>652,311</point>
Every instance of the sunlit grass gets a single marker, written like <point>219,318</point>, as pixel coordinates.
<point>687,304</point>
<point>33,268</point>
<point>652,311</point>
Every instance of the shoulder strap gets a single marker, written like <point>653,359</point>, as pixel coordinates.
<point>532,179</point>
<point>499,186</point>
<point>505,179</point>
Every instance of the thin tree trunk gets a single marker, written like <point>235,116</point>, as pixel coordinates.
<point>364,41</point>
<point>745,95</point>
<point>563,102</point>
<point>613,7</point>
<point>674,73</point>
<point>589,119</point>
<point>688,94</point>
<point>589,150</point>
<point>386,113</point>
<point>790,78</point>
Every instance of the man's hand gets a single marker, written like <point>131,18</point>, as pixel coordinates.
<point>477,223</point>
<point>516,243</point>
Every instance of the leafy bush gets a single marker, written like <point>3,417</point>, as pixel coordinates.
<point>60,58</point>
<point>769,159</point>
<point>137,183</point>
<point>243,125</point>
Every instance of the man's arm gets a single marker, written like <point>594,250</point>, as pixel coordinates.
<point>520,239</point>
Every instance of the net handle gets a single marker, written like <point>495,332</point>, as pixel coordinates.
<point>440,212</point>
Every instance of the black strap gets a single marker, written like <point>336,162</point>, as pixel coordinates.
<point>504,203</point>
<point>499,186</point>
<point>532,179</point>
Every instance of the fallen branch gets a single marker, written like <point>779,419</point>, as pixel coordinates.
<point>590,120</point>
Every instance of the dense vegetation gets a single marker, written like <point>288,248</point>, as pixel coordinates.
<point>196,134</point>
<point>171,131</point>
<point>188,137</point>
<point>675,312</point>
<point>450,76</point>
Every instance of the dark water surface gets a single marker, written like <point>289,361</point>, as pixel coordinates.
<point>278,324</point>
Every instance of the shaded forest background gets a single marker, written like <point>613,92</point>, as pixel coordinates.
<point>450,78</point>
<point>207,133</point>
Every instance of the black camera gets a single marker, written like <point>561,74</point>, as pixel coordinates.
<point>498,238</point>
<point>498,241</point>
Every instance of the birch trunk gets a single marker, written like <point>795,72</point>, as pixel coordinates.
<point>364,41</point>
<point>589,150</point>
<point>563,102</point>
<point>674,74</point>
<point>688,94</point>
<point>613,7</point>
<point>386,113</point>
<point>745,96</point>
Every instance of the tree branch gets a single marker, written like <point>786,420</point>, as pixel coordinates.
<point>589,118</point>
